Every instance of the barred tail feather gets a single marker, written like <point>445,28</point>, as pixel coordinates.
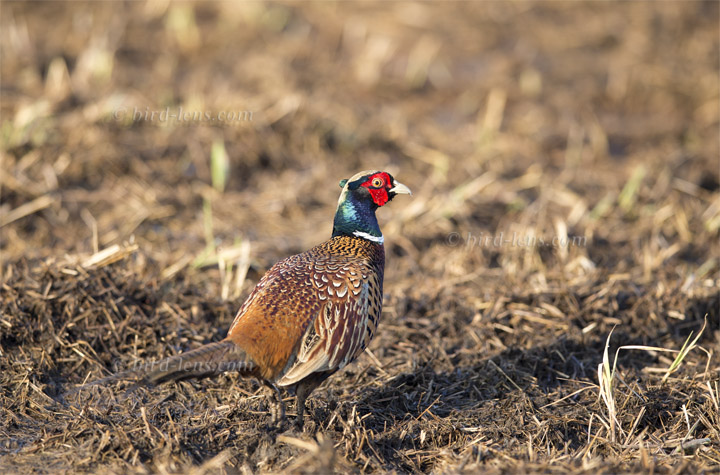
<point>208,360</point>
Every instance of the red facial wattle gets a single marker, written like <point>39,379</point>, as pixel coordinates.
<point>379,196</point>
<point>379,193</point>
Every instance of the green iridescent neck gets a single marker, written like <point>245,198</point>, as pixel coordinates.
<point>357,218</point>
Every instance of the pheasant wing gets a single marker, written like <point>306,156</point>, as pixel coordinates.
<point>351,296</point>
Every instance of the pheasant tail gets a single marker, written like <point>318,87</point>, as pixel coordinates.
<point>208,360</point>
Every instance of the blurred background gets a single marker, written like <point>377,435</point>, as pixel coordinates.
<point>510,116</point>
<point>521,120</point>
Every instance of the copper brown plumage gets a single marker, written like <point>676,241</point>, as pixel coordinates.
<point>311,314</point>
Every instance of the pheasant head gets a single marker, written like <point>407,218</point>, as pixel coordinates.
<point>361,195</point>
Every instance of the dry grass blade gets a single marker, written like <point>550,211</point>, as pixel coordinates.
<point>606,377</point>
<point>109,255</point>
<point>26,209</point>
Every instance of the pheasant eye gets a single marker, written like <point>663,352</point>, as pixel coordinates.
<point>377,182</point>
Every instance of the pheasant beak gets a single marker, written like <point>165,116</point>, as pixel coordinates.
<point>399,188</point>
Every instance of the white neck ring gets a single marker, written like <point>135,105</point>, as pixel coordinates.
<point>378,239</point>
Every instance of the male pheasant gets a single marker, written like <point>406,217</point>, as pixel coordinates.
<point>310,315</point>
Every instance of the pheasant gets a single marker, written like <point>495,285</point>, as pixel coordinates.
<point>310,315</point>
